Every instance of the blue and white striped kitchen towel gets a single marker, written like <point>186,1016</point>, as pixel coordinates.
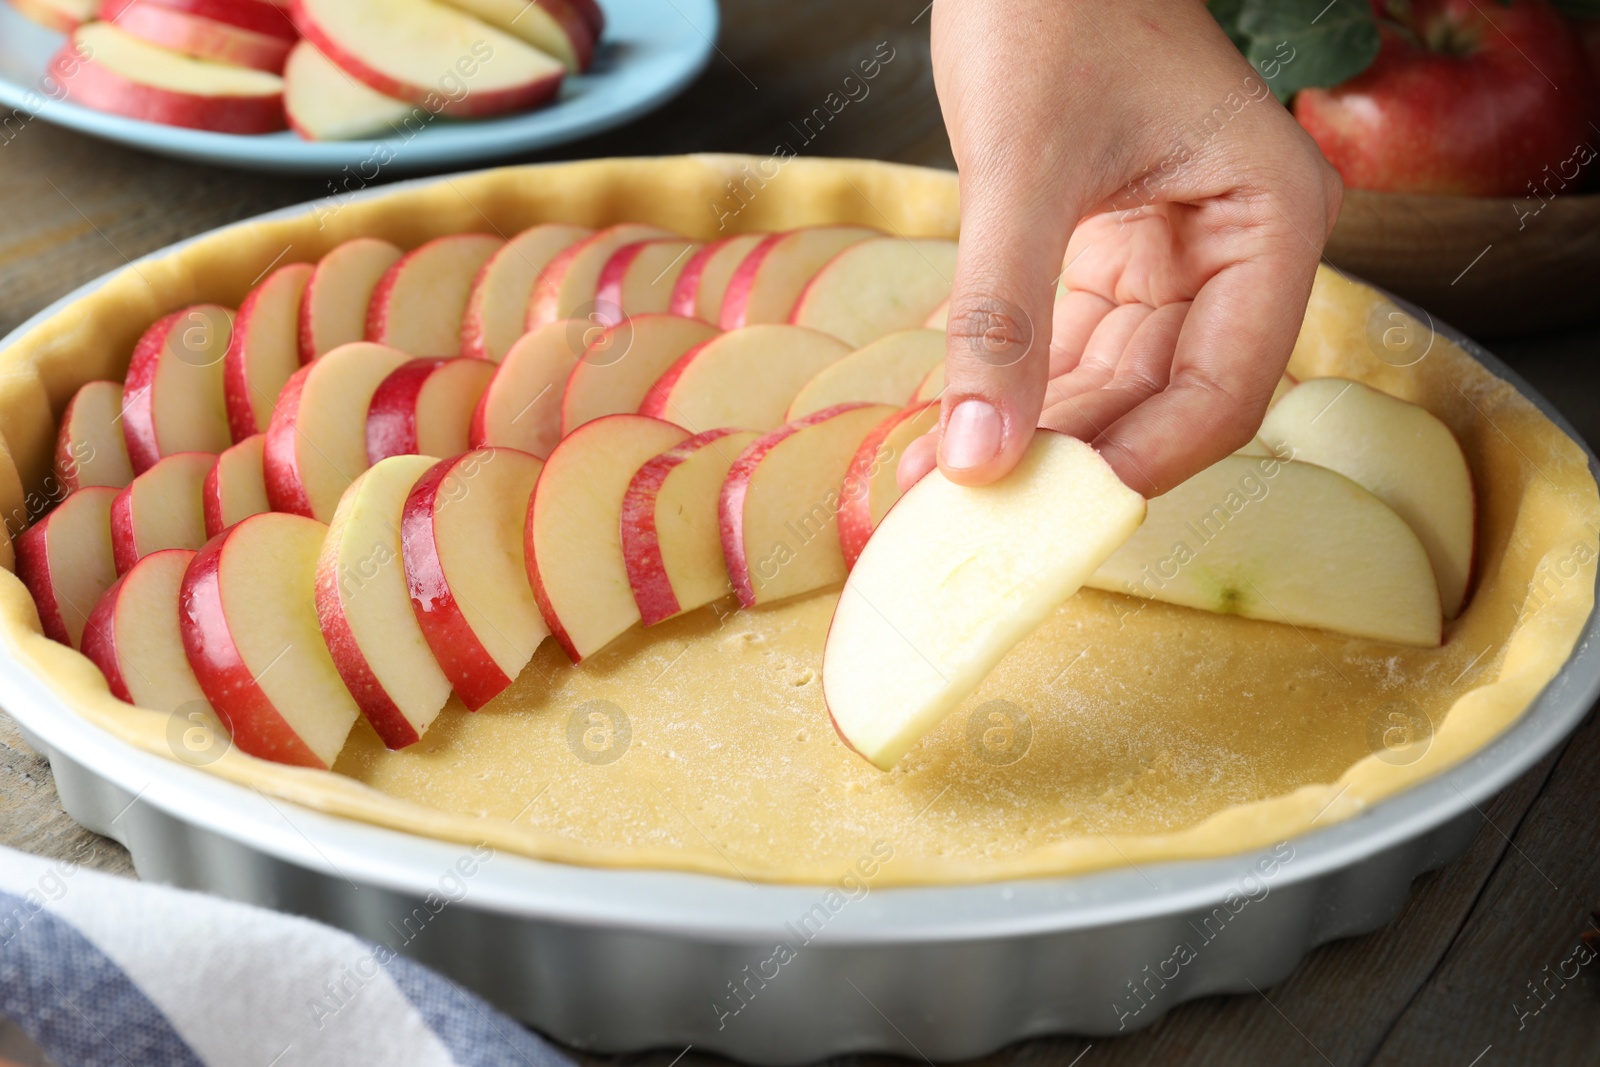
<point>100,970</point>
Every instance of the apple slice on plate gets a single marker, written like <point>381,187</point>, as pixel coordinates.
<point>259,16</point>
<point>954,578</point>
<point>65,561</point>
<point>699,290</point>
<point>939,317</point>
<point>107,69</point>
<point>745,377</point>
<point>236,486</point>
<point>568,285</point>
<point>878,286</point>
<point>521,408</point>
<point>931,388</point>
<point>884,372</point>
<point>617,369</point>
<point>63,16</point>
<point>639,278</point>
<point>573,533</point>
<point>194,34</point>
<point>264,349</point>
<point>333,311</point>
<point>365,609</point>
<point>133,635</point>
<point>1286,542</point>
<point>769,280</point>
<point>779,506</point>
<point>419,304</point>
<point>1400,452</point>
<point>89,448</point>
<point>498,304</point>
<point>161,508</point>
<point>326,104</point>
<point>172,400</point>
<point>248,616</point>
<point>461,540</point>
<point>415,49</point>
<point>554,27</point>
<point>317,442</point>
<point>425,406</point>
<point>870,487</point>
<point>671,543</point>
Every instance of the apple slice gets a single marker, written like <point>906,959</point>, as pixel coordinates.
<point>90,449</point>
<point>430,54</point>
<point>554,27</point>
<point>248,616</point>
<point>939,317</point>
<point>63,16</point>
<point>425,406</point>
<point>365,609</point>
<point>161,508</point>
<point>521,408</point>
<point>236,486</point>
<point>700,288</point>
<point>317,442</point>
<point>568,285</point>
<point>172,400</point>
<point>779,506</point>
<point>870,488</point>
<point>877,287</point>
<point>133,635</point>
<point>932,387</point>
<point>461,539</point>
<point>1286,542</point>
<point>745,377</point>
<point>573,534</point>
<point>65,561</point>
<point>107,69</point>
<point>1400,452</point>
<point>258,16</point>
<point>769,280</point>
<point>264,348</point>
<point>333,311</point>
<point>620,365</point>
<point>884,372</point>
<point>639,278</point>
<point>498,304</point>
<point>419,304</point>
<point>954,578</point>
<point>324,103</point>
<point>196,35</point>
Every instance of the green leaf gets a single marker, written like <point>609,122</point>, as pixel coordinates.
<point>1299,44</point>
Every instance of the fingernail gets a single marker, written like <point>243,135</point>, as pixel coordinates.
<point>971,436</point>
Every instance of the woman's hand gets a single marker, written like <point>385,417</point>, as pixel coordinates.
<point>1131,143</point>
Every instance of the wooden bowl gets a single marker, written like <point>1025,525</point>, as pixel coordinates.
<point>1489,266</point>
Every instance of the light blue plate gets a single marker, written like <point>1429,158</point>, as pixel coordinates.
<point>651,51</point>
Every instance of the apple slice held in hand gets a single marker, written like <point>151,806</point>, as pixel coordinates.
<point>89,447</point>
<point>884,372</point>
<point>498,305</point>
<point>65,561</point>
<point>876,287</point>
<point>1400,452</point>
<point>172,400</point>
<point>769,280</point>
<point>521,408</point>
<point>333,311</point>
<point>622,362</point>
<point>324,103</point>
<point>249,622</point>
<point>569,283</point>
<point>1286,542</point>
<point>264,349</point>
<point>161,508</point>
<point>699,290</point>
<point>745,378</point>
<point>461,539</point>
<point>425,406</point>
<point>779,506</point>
<point>419,304</point>
<point>671,543</point>
<point>365,609</point>
<point>236,486</point>
<point>955,577</point>
<point>639,278</point>
<point>574,543</point>
<point>870,487</point>
<point>134,637</point>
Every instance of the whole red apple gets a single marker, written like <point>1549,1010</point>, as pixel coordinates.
<point>1466,97</point>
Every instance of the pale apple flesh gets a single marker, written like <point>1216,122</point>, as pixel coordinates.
<point>426,407</point>
<point>161,508</point>
<point>552,26</point>
<point>769,280</point>
<point>419,303</point>
<point>939,317</point>
<point>89,447</point>
<point>172,399</point>
<point>194,34</point>
<point>619,366</point>
<point>639,278</point>
<point>745,378</point>
<point>323,103</point>
<point>333,311</point>
<point>236,487</point>
<point>884,372</point>
<point>133,636</point>
<point>931,388</point>
<point>264,349</point>
<point>571,280</point>
<point>63,16</point>
<point>870,487</point>
<point>498,305</point>
<point>876,287</point>
<point>954,577</point>
<point>701,287</point>
<point>521,408</point>
<point>66,562</point>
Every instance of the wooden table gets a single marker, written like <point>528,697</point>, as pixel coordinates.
<point>1444,983</point>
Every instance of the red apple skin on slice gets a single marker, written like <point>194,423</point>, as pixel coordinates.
<point>198,36</point>
<point>779,506</point>
<point>521,408</point>
<point>172,400</point>
<point>670,539</point>
<point>264,348</point>
<point>236,486</point>
<point>498,305</point>
<point>259,16</point>
<point>333,311</point>
<point>249,622</point>
<point>419,304</point>
<point>639,278</point>
<point>769,280</point>
<point>161,509</point>
<point>573,532</point>
<point>877,287</point>
<point>425,407</point>
<point>461,538</point>
<point>870,488</point>
<point>570,281</point>
<point>704,282</point>
<point>133,635</point>
<point>746,377</point>
<point>65,561</point>
<point>617,369</point>
<point>90,449</point>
